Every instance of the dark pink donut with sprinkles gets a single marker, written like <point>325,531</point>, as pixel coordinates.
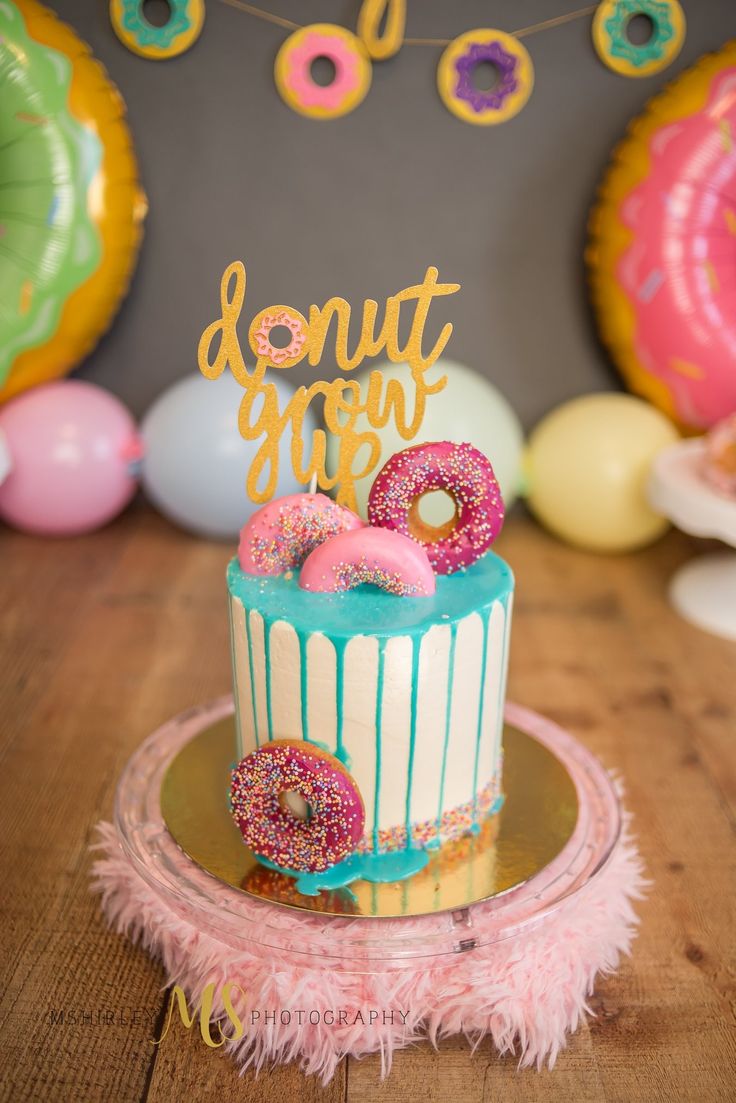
<point>272,830</point>
<point>466,475</point>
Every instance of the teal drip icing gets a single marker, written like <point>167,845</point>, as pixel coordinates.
<point>267,659</point>
<point>238,732</point>
<point>340,646</point>
<point>395,865</point>
<point>379,715</point>
<point>303,684</point>
<point>249,640</point>
<point>415,646</point>
<point>485,617</point>
<point>303,638</point>
<point>448,720</point>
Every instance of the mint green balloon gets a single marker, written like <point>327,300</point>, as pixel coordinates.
<point>468,409</point>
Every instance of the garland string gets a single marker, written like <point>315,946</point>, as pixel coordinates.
<point>523,32</point>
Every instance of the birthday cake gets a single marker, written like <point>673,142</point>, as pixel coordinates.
<point>369,666</point>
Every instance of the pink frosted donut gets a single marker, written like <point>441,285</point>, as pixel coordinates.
<point>280,535</point>
<point>270,828</point>
<point>376,557</point>
<point>466,475</point>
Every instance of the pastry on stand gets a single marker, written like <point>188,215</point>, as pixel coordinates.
<point>693,483</point>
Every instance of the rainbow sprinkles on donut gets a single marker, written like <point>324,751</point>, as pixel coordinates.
<point>369,655</point>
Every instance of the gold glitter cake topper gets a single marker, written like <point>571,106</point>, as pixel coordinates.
<point>260,415</point>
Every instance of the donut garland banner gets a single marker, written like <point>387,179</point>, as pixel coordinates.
<point>380,35</point>
<point>157,43</point>
<point>296,84</point>
<point>456,77</point>
<point>382,45</point>
<point>616,49</point>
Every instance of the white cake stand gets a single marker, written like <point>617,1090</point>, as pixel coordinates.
<point>703,591</point>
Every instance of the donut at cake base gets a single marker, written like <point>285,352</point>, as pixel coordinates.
<point>310,843</point>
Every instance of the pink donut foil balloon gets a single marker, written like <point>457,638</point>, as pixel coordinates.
<point>663,247</point>
<point>369,556</point>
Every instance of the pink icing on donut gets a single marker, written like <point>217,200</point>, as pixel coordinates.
<point>280,535</point>
<point>466,475</point>
<point>272,830</point>
<point>376,557</point>
<point>262,335</point>
<point>300,81</point>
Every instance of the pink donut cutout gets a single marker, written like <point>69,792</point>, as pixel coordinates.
<point>280,535</point>
<point>466,475</point>
<point>369,556</point>
<point>260,336</point>
<point>270,828</point>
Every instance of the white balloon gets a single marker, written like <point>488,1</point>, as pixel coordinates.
<point>195,461</point>
<point>468,409</point>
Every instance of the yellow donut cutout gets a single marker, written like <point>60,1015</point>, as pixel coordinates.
<point>113,203</point>
<point>609,237</point>
<point>293,76</point>
<point>615,49</point>
<point>512,89</point>
<point>175,37</point>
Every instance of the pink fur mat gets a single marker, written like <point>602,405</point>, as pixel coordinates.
<point>526,992</point>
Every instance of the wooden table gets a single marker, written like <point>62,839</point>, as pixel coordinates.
<point>108,635</point>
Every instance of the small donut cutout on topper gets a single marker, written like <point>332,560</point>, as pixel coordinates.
<point>259,336</point>
<point>630,59</point>
<point>269,826</point>
<point>514,73</point>
<point>464,474</point>
<point>177,35</point>
<point>369,556</point>
<point>279,536</point>
<point>293,71</point>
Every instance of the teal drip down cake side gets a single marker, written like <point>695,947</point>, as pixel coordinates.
<point>407,693</point>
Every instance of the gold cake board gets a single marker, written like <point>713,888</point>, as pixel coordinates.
<point>536,822</point>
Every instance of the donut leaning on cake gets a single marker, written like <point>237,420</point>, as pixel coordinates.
<point>269,825</point>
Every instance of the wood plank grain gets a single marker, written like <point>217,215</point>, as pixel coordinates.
<point>185,1068</point>
<point>107,636</point>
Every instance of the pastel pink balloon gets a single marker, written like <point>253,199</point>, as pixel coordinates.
<point>369,556</point>
<point>72,449</point>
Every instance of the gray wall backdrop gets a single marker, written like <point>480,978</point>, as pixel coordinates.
<point>361,205</point>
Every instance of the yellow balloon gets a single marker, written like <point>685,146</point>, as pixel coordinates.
<point>587,465</point>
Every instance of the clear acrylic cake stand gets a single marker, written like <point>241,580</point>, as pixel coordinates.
<point>365,944</point>
<point>704,590</point>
